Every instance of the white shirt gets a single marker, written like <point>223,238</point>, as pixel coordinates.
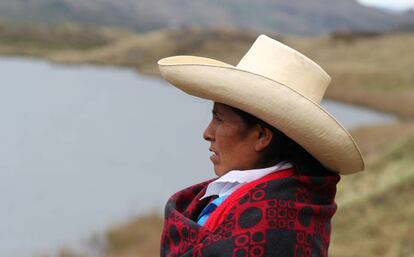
<point>232,180</point>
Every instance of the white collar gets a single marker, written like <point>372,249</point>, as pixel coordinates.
<point>232,180</point>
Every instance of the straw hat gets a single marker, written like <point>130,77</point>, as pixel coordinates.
<point>278,85</point>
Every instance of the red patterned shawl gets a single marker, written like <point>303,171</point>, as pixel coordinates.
<point>281,214</point>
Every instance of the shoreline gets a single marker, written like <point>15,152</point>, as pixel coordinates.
<point>352,82</point>
<point>333,96</point>
<point>363,68</point>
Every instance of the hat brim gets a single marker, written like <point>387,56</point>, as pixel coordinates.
<point>300,118</point>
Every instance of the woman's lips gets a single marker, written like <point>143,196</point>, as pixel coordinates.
<point>214,157</point>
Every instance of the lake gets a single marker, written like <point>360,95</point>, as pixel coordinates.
<point>84,147</point>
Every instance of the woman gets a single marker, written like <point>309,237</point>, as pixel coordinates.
<point>277,154</point>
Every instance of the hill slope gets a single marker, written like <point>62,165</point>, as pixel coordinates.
<point>279,16</point>
<point>376,217</point>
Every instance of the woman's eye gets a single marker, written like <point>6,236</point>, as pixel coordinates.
<point>217,118</point>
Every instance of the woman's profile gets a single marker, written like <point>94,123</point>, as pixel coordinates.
<point>277,154</point>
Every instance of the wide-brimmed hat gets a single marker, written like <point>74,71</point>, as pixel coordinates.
<point>278,85</point>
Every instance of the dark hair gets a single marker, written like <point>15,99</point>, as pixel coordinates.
<point>282,148</point>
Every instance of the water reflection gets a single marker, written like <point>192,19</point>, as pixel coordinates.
<point>353,116</point>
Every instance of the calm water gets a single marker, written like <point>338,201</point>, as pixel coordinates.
<point>83,147</point>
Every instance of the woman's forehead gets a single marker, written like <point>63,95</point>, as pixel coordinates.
<point>226,111</point>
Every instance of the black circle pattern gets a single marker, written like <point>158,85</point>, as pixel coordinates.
<point>250,217</point>
<point>257,251</point>
<point>305,216</point>
<point>240,252</point>
<point>241,240</point>
<point>258,195</point>
<point>258,237</point>
<point>174,235</point>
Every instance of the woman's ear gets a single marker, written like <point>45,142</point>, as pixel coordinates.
<point>264,137</point>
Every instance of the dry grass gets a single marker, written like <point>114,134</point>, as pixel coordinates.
<point>44,41</point>
<point>381,225</point>
<point>378,221</point>
<point>375,216</point>
<point>370,71</point>
<point>372,140</point>
<point>381,167</point>
<point>139,238</point>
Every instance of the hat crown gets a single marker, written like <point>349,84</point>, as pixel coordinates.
<point>274,60</point>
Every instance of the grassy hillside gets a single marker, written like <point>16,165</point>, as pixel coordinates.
<point>44,41</point>
<point>363,68</point>
<point>381,225</point>
<point>375,71</point>
<point>376,208</point>
<point>140,238</point>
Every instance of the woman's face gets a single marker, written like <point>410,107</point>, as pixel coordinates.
<point>233,143</point>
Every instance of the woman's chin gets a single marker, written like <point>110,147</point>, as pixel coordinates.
<point>219,171</point>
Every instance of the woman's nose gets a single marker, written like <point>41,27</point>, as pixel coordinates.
<point>208,133</point>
